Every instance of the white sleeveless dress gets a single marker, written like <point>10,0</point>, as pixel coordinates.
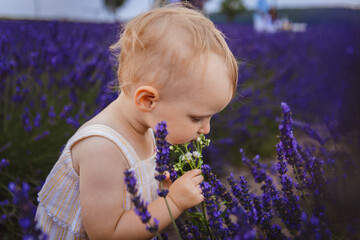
<point>59,211</point>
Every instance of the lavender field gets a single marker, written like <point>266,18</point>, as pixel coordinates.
<point>56,75</point>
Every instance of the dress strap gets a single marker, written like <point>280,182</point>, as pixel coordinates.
<point>108,133</point>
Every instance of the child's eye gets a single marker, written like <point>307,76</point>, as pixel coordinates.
<point>195,119</point>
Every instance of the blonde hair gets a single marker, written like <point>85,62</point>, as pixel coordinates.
<point>167,43</point>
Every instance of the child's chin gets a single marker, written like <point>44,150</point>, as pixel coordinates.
<point>177,141</point>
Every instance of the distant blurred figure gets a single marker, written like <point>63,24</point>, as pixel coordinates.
<point>273,14</point>
<point>262,18</point>
<point>267,20</point>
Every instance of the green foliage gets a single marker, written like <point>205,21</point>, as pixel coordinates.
<point>189,158</point>
<point>231,8</point>
<point>113,5</point>
<point>199,4</point>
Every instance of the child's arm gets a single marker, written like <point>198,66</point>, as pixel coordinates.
<point>101,166</point>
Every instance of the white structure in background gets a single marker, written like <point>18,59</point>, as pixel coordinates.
<point>265,20</point>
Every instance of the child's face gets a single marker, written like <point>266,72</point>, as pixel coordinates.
<point>188,110</point>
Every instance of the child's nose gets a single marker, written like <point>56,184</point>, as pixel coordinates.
<point>205,128</point>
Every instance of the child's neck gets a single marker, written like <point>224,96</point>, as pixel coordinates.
<point>126,114</point>
<point>125,120</point>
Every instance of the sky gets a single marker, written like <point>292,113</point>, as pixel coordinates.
<point>94,10</point>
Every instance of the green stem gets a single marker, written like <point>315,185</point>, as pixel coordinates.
<point>190,165</point>
<point>159,236</point>
<point>206,221</point>
<point>171,216</point>
<point>302,190</point>
<point>181,151</point>
<point>198,166</point>
<point>6,188</point>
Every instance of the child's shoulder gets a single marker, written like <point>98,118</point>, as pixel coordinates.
<point>96,139</point>
<point>96,150</point>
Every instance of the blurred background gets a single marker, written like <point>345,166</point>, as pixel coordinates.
<point>56,69</point>
<point>95,10</point>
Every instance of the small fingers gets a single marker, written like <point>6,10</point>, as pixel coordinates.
<point>199,190</point>
<point>193,173</point>
<point>201,198</point>
<point>198,179</point>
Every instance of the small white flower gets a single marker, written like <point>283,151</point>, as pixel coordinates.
<point>171,148</point>
<point>196,154</point>
<point>198,139</point>
<point>188,155</point>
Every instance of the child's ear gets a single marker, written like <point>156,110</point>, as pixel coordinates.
<point>145,98</point>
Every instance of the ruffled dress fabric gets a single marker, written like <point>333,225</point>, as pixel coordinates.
<point>59,210</point>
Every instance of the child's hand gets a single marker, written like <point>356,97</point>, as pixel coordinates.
<point>185,192</point>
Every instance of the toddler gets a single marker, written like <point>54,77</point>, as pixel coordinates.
<point>174,65</point>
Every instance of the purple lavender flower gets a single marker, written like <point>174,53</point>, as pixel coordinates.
<point>256,168</point>
<point>140,206</point>
<point>26,210</point>
<point>313,228</point>
<point>42,135</point>
<point>3,218</point>
<point>26,119</point>
<point>213,192</point>
<point>4,203</point>
<point>66,110</point>
<point>265,212</point>
<point>74,121</point>
<point>173,174</point>
<point>286,135</point>
<point>181,227</point>
<point>213,211</point>
<point>189,230</point>
<point>244,231</point>
<point>52,114</point>
<point>73,96</point>
<point>43,100</point>
<point>316,182</point>
<point>162,155</point>
<point>290,146</point>
<point>163,235</point>
<point>218,188</point>
<point>291,204</point>
<point>281,165</point>
<point>310,131</point>
<point>4,163</point>
<point>258,208</point>
<point>270,193</point>
<point>317,185</point>
<point>241,192</point>
<point>37,120</point>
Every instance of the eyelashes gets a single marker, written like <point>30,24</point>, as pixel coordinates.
<point>195,119</point>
